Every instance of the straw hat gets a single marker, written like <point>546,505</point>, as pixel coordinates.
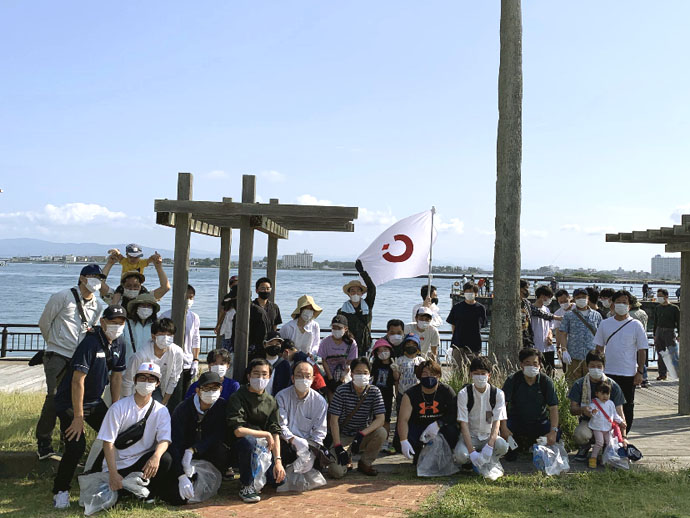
<point>133,273</point>
<point>143,298</point>
<point>304,301</point>
<point>354,284</point>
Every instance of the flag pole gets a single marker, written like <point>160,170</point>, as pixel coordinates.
<point>431,246</point>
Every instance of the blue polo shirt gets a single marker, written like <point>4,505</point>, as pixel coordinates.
<point>96,359</point>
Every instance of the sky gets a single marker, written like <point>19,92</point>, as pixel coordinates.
<point>390,106</point>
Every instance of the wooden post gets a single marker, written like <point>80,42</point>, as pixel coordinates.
<point>244,288</point>
<point>224,270</point>
<point>180,268</point>
<point>684,346</point>
<point>272,263</point>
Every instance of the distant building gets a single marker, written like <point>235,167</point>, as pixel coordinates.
<point>665,267</point>
<point>299,260</point>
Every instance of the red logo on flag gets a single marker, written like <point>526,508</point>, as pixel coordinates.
<point>409,248</point>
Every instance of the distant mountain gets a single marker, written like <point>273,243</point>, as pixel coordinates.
<point>21,247</point>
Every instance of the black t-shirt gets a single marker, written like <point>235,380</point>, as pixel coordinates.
<point>526,403</point>
<point>427,408</point>
<point>272,313</point>
<point>382,375</point>
<point>468,320</point>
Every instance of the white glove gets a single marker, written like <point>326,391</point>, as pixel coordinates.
<point>187,462</point>
<point>194,369</point>
<point>185,487</point>
<point>476,459</point>
<point>565,357</point>
<point>487,452</point>
<point>430,432</point>
<point>406,448</point>
<point>300,445</point>
<point>511,443</point>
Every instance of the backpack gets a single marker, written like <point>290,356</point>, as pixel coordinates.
<point>470,396</point>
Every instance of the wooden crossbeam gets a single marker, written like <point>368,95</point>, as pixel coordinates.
<point>168,219</point>
<point>268,226</point>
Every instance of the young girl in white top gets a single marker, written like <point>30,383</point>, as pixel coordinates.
<point>603,416</point>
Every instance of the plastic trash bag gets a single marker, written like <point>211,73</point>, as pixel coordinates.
<point>206,481</point>
<point>304,462</point>
<point>136,484</point>
<point>670,357</point>
<point>612,456</point>
<point>491,470</point>
<point>95,493</point>
<point>261,461</point>
<point>552,460</point>
<point>436,459</point>
<point>301,482</point>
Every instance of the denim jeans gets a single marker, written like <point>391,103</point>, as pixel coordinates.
<point>243,449</point>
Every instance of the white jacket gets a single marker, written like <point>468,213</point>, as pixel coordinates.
<point>170,363</point>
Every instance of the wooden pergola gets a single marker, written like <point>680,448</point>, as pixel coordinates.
<point>217,219</point>
<point>676,239</point>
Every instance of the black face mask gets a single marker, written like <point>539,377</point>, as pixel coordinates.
<point>272,350</point>
<point>263,295</point>
<point>410,350</point>
<point>434,301</point>
<point>429,381</point>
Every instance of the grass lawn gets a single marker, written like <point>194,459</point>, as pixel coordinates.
<point>602,494</point>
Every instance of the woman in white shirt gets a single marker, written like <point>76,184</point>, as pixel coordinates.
<point>303,329</point>
<point>141,314</point>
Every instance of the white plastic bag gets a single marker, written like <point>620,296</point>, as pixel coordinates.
<point>304,462</point>
<point>436,459</point>
<point>301,482</point>
<point>136,484</point>
<point>261,461</point>
<point>95,493</point>
<point>491,470</point>
<point>552,460</point>
<point>206,481</point>
<point>670,357</point>
<point>612,458</point>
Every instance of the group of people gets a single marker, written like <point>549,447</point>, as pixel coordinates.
<point>312,403</point>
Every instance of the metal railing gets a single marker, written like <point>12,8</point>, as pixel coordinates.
<point>18,338</point>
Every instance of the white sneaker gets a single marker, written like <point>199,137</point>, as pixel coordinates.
<point>61,500</point>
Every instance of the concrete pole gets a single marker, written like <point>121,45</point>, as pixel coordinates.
<point>181,266</point>
<point>272,263</point>
<point>684,346</point>
<point>244,271</point>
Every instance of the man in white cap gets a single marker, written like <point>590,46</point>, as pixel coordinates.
<point>126,451</point>
<point>428,334</point>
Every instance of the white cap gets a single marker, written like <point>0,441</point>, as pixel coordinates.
<point>423,310</point>
<point>149,368</point>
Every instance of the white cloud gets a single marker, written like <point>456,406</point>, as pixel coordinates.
<point>68,214</point>
<point>571,227</point>
<point>679,211</point>
<point>308,199</point>
<point>486,232</point>
<point>375,217</point>
<point>454,225</point>
<point>539,234</point>
<point>272,176</point>
<point>590,231</point>
<point>217,175</point>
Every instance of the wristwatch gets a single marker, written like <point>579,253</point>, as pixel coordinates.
<point>554,428</point>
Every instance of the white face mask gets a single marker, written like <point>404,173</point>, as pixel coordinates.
<point>565,306</point>
<point>259,384</point>
<point>581,303</point>
<point>622,309</point>
<point>338,333</point>
<point>130,294</point>
<point>144,388</point>
<point>606,303</point>
<point>469,296</point>
<point>93,284</point>
<point>384,355</point>
<point>114,331</point>
<point>596,374</point>
<point>219,369</point>
<point>144,313</point>
<point>189,303</point>
<point>547,302</point>
<point>302,385</point>
<point>361,380</point>
<point>480,380</point>
<point>355,298</point>
<point>531,372</point>
<point>209,397</point>
<point>164,341</point>
<point>306,315</point>
<point>395,339</point>
<point>422,324</point>
<point>661,298</point>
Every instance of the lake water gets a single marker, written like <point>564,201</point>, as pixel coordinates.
<point>26,287</point>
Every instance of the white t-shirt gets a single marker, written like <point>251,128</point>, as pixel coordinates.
<point>541,329</point>
<point>621,351</point>
<point>226,326</point>
<point>171,365</point>
<point>406,367</point>
<point>436,319</point>
<point>428,338</point>
<point>123,414</point>
<point>480,427</point>
<point>598,421</point>
<point>556,324</point>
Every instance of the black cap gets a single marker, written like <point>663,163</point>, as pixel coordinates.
<point>114,312</point>
<point>340,320</point>
<point>209,377</point>
<point>92,269</point>
<point>272,335</point>
<point>579,291</point>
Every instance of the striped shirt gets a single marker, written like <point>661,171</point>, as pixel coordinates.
<point>344,402</point>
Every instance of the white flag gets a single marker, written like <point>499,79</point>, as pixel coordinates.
<point>401,251</point>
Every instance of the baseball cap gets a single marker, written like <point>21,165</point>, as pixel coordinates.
<point>114,312</point>
<point>92,269</point>
<point>423,310</point>
<point>340,320</point>
<point>273,335</point>
<point>579,291</point>
<point>411,337</point>
<point>134,250</point>
<point>209,377</point>
<point>150,368</point>
<point>133,273</point>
